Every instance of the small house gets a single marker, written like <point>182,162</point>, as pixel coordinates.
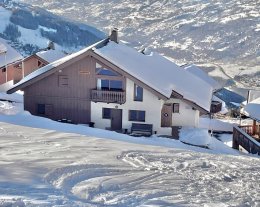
<point>115,87</point>
<point>10,61</point>
<point>40,59</point>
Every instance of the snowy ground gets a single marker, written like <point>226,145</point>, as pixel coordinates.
<point>91,167</point>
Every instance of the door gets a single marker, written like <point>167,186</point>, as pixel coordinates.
<point>49,110</point>
<point>166,115</point>
<point>116,119</point>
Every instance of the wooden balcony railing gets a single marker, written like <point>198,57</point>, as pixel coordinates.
<point>249,129</point>
<point>108,96</point>
<point>240,137</point>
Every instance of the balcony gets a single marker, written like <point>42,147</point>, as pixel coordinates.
<point>247,137</point>
<point>253,131</point>
<point>118,97</point>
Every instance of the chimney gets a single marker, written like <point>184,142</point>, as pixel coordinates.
<point>114,35</point>
<point>51,46</point>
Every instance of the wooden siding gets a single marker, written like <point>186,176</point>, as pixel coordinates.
<point>18,74</point>
<point>71,102</point>
<point>76,110</point>
<point>11,73</point>
<point>31,64</point>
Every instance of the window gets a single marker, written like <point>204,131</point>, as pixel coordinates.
<point>138,93</point>
<point>100,70</point>
<point>135,115</point>
<point>41,109</point>
<point>176,108</point>
<point>116,85</point>
<point>63,81</point>
<point>103,71</point>
<point>106,113</point>
<point>110,85</point>
<point>4,70</point>
<point>39,63</point>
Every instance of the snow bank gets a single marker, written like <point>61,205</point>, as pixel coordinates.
<point>201,137</point>
<point>16,97</point>
<point>217,124</point>
<point>195,136</point>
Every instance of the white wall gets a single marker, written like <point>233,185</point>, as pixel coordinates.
<point>186,116</point>
<point>152,107</point>
<point>150,104</point>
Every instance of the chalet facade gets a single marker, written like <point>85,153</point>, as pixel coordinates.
<point>115,86</point>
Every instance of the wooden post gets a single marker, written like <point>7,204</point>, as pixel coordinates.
<point>235,144</point>
<point>254,127</point>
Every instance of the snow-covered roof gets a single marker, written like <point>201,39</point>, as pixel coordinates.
<point>253,94</point>
<point>50,67</point>
<point>159,73</point>
<point>252,109</point>
<point>195,70</point>
<point>154,70</point>
<point>8,54</point>
<point>51,55</point>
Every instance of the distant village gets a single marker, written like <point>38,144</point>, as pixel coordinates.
<point>112,86</point>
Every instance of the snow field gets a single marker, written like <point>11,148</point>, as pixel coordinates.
<point>45,163</point>
<point>49,168</point>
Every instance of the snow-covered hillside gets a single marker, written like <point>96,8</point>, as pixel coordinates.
<point>29,29</point>
<point>46,163</point>
<point>45,168</point>
<point>223,36</point>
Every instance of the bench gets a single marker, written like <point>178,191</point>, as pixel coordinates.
<point>141,129</point>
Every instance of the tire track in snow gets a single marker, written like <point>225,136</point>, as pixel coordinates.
<point>218,179</point>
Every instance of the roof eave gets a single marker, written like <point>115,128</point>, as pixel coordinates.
<point>177,95</point>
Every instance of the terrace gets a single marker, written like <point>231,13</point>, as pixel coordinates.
<point>248,136</point>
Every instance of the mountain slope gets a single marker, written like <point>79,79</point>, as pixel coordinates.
<point>225,33</point>
<point>28,29</point>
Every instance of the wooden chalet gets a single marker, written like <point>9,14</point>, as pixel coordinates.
<point>117,88</point>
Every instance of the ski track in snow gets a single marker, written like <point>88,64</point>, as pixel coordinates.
<point>42,167</point>
<point>161,178</point>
